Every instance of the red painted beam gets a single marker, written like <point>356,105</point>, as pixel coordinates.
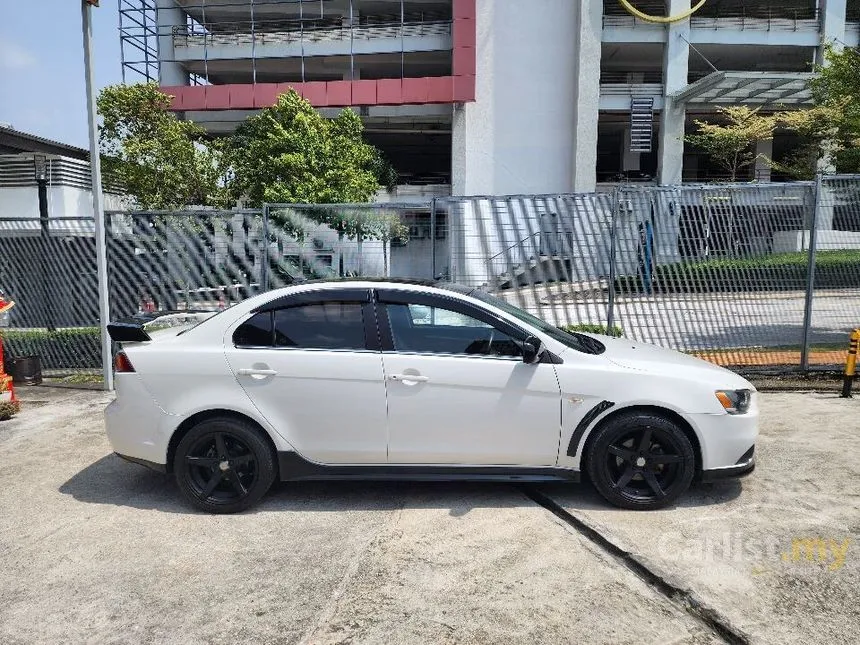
<point>457,88</point>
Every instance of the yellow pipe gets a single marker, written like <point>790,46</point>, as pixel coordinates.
<point>661,19</point>
<point>851,365</point>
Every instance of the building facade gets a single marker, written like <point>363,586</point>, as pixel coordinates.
<point>495,96</point>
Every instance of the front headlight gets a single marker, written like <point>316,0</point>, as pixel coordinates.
<point>735,401</point>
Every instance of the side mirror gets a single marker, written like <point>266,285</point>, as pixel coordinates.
<point>532,350</point>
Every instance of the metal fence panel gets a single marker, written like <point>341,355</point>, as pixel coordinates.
<point>547,254</point>
<point>48,267</point>
<point>182,260</point>
<point>748,276</point>
<point>367,240</point>
<point>705,269</point>
<point>835,306</point>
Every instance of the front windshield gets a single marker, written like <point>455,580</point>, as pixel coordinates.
<point>579,342</point>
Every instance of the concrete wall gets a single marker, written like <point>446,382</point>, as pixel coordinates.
<point>63,201</point>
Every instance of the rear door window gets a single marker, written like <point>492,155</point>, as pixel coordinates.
<point>327,325</point>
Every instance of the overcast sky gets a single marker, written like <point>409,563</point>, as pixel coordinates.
<point>42,65</point>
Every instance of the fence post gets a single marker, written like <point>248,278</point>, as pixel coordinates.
<point>264,256</point>
<point>98,199</point>
<point>613,233</point>
<point>810,275</point>
<point>433,239</point>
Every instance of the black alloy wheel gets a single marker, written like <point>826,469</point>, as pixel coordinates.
<point>641,461</point>
<point>224,465</point>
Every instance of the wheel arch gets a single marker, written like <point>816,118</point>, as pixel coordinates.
<point>667,413</point>
<point>183,428</point>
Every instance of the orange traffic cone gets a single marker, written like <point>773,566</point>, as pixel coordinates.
<point>9,405</point>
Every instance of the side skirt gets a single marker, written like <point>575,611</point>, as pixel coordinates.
<point>293,467</point>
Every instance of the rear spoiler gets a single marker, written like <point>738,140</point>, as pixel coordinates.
<point>133,330</point>
<point>128,332</point>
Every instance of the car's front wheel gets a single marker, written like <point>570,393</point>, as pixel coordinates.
<point>224,465</point>
<point>641,461</point>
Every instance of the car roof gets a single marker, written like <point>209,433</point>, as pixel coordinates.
<point>409,281</point>
<point>382,282</point>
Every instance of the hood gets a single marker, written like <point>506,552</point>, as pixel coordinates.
<point>652,359</point>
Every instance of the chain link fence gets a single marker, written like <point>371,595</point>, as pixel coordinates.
<point>749,276</point>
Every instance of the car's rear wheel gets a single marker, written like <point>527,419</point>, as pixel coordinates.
<point>641,461</point>
<point>224,465</point>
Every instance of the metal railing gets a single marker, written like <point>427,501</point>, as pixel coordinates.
<point>767,18</point>
<point>749,276</point>
<point>188,37</point>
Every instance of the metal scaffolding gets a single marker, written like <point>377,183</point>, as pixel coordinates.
<point>138,38</point>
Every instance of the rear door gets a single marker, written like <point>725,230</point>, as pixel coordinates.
<point>458,389</point>
<point>311,365</point>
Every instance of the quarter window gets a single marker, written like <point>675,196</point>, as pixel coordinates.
<point>255,332</point>
<point>328,325</point>
<point>425,329</point>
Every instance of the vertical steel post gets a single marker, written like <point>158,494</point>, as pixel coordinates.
<point>433,239</point>
<point>264,255</point>
<point>44,227</point>
<point>98,206</point>
<point>810,276</point>
<point>613,233</point>
<point>351,42</point>
<point>253,46</point>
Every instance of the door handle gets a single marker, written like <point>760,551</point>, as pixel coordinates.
<point>410,378</point>
<point>256,373</point>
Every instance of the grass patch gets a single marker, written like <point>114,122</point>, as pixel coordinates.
<point>774,272</point>
<point>588,328</point>
<point>70,348</point>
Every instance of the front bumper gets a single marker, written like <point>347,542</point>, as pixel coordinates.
<point>726,440</point>
<point>744,467</point>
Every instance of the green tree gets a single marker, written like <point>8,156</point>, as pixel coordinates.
<point>836,92</point>
<point>161,161</point>
<point>731,143</point>
<point>818,135</point>
<point>290,153</point>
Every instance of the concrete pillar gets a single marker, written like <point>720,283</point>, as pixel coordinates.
<point>588,34</point>
<point>676,58</point>
<point>168,16</point>
<point>833,14</point>
<point>763,151</point>
<point>517,137</point>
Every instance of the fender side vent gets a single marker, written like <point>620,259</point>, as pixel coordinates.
<point>586,421</point>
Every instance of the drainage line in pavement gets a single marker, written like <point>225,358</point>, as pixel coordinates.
<point>678,596</point>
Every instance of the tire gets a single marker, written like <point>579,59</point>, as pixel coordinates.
<point>224,465</point>
<point>641,461</point>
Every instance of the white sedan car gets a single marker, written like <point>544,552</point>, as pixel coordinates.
<point>409,380</point>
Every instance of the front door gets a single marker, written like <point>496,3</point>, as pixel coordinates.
<point>309,370</point>
<point>458,389</point>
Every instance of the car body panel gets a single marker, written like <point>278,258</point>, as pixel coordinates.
<point>484,411</point>
<point>529,420</point>
<point>330,405</point>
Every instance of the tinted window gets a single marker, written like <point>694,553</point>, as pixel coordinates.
<point>419,328</point>
<point>579,342</point>
<point>255,332</point>
<point>329,325</point>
